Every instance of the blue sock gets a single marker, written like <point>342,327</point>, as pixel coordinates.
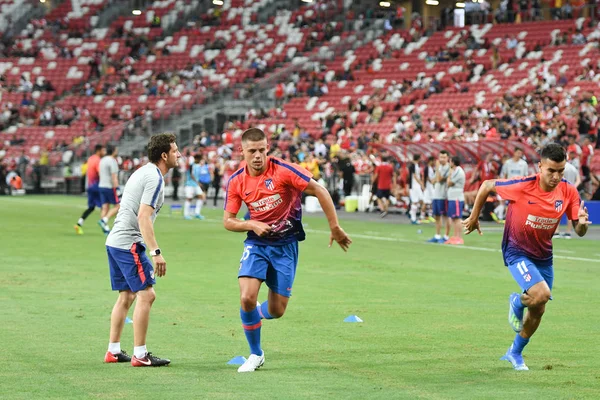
<point>517,302</point>
<point>264,311</point>
<point>519,344</point>
<point>251,324</point>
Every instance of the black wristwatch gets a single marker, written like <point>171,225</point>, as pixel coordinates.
<point>155,252</point>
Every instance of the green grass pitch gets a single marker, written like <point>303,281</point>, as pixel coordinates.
<point>435,317</point>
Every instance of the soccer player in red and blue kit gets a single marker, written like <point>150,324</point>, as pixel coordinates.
<point>536,206</point>
<point>271,188</point>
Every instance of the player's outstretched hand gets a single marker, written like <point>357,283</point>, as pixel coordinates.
<point>470,224</point>
<point>583,215</point>
<point>260,228</point>
<point>340,237</point>
<point>160,265</point>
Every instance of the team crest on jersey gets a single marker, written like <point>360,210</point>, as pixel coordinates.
<point>269,184</point>
<point>558,204</point>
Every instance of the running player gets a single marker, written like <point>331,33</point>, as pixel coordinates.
<point>536,205</point>
<point>271,188</point>
<point>131,272</point>
<point>440,198</point>
<point>193,190</point>
<point>93,178</point>
<point>108,187</point>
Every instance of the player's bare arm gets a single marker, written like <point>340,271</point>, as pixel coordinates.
<point>231,223</point>
<point>147,230</point>
<point>449,181</point>
<point>472,223</point>
<point>581,225</point>
<point>475,177</point>
<point>419,181</point>
<point>337,233</point>
<point>438,176</point>
<point>374,177</point>
<point>577,181</point>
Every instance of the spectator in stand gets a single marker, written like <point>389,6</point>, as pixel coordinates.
<point>587,153</point>
<point>567,10</point>
<point>511,42</point>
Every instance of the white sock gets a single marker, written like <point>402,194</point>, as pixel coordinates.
<point>413,212</point>
<point>114,348</point>
<point>140,351</point>
<point>446,237</point>
<point>199,207</point>
<point>437,236</point>
<point>187,208</point>
<point>80,221</point>
<point>105,220</point>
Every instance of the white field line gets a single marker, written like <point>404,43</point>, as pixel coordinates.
<point>473,248</point>
<point>165,213</point>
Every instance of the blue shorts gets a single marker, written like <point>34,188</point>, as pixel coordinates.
<point>109,196</point>
<point>275,265</point>
<point>130,269</point>
<point>527,274</point>
<point>93,193</point>
<point>455,208</point>
<point>439,207</point>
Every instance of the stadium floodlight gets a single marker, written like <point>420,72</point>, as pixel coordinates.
<point>385,3</point>
<point>136,12</point>
<point>307,1</point>
<point>218,2</point>
<point>432,2</point>
<point>42,1</point>
<point>460,5</point>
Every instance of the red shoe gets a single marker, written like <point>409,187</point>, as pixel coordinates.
<point>116,358</point>
<point>149,361</point>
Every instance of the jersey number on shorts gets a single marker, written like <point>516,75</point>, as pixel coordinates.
<point>246,253</point>
<point>524,271</point>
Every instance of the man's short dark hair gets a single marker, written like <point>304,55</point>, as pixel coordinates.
<point>416,157</point>
<point>445,152</point>
<point>554,152</point>
<point>518,149</point>
<point>430,158</point>
<point>160,144</point>
<point>98,147</point>
<point>456,160</point>
<point>253,135</point>
<point>110,149</point>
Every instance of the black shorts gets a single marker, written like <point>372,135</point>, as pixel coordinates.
<point>204,187</point>
<point>383,193</point>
